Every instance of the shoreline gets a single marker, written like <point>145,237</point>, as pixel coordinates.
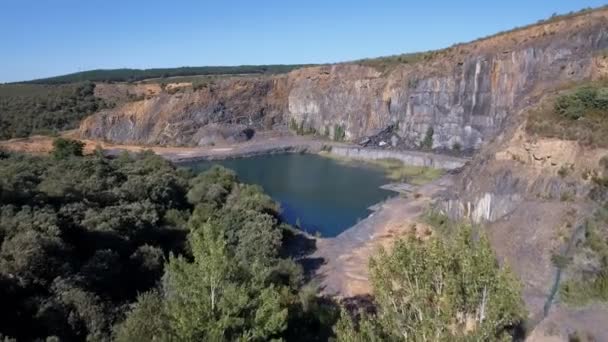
<point>344,272</point>
<point>254,147</point>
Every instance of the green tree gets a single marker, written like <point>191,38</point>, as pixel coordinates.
<point>211,299</point>
<point>212,186</point>
<point>427,142</point>
<point>367,331</point>
<point>145,322</point>
<point>64,148</point>
<point>339,133</point>
<point>440,290</point>
<point>81,237</point>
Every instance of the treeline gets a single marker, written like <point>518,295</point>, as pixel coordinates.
<point>135,249</point>
<point>27,109</point>
<point>132,75</point>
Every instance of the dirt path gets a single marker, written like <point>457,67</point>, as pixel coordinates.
<point>344,271</point>
<point>259,145</point>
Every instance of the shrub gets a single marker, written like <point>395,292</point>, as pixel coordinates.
<point>564,170</point>
<point>65,148</point>
<point>578,114</point>
<point>575,105</point>
<point>339,133</point>
<point>293,125</point>
<point>582,292</point>
<point>427,142</point>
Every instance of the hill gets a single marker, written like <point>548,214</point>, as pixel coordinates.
<point>132,75</point>
<point>27,109</point>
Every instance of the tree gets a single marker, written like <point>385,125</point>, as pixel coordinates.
<point>212,299</point>
<point>64,148</point>
<point>427,142</point>
<point>32,258</point>
<point>81,237</point>
<point>440,290</point>
<point>145,321</point>
<point>212,186</point>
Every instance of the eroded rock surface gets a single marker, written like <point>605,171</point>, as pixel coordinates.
<point>460,96</point>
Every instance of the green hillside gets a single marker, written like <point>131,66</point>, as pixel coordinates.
<point>27,109</point>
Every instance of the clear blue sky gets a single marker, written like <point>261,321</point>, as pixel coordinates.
<point>51,37</point>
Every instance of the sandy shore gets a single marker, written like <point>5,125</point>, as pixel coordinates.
<point>344,271</point>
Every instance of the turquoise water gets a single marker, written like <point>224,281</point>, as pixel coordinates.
<point>320,194</point>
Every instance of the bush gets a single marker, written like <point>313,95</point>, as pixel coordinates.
<point>576,105</point>
<point>427,142</point>
<point>579,114</point>
<point>65,148</point>
<point>579,293</point>
<point>339,133</point>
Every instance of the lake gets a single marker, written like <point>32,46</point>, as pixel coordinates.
<point>321,194</point>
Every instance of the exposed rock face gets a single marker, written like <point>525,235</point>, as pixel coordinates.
<point>531,196</point>
<point>221,111</point>
<point>460,95</point>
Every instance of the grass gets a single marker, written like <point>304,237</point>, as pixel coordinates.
<point>578,114</point>
<point>395,169</point>
<point>579,293</point>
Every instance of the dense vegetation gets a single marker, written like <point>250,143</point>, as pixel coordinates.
<point>135,249</point>
<point>579,114</point>
<point>438,289</point>
<point>83,237</point>
<point>131,75</point>
<point>27,109</point>
<point>236,285</point>
<point>80,237</point>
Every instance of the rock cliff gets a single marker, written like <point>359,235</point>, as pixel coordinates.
<point>459,97</point>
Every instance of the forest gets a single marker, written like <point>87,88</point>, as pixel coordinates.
<point>27,109</point>
<point>133,248</point>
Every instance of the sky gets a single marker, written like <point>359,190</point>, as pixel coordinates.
<point>52,37</point>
